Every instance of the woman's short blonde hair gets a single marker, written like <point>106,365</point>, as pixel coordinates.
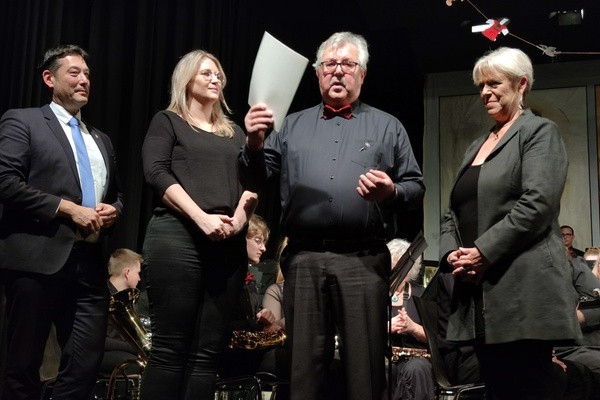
<point>513,63</point>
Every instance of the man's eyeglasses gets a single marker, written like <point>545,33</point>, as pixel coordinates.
<point>259,241</point>
<point>331,65</point>
<point>208,75</point>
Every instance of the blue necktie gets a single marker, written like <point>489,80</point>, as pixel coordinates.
<point>85,169</point>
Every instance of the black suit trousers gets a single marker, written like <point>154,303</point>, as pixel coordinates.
<point>337,292</point>
<point>75,300</point>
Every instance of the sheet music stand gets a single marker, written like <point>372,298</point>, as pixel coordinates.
<point>399,272</point>
<point>589,304</point>
<point>408,259</point>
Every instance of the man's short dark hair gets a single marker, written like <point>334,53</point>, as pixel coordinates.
<point>52,56</point>
<point>567,226</point>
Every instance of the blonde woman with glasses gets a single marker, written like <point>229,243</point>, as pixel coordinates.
<point>195,245</point>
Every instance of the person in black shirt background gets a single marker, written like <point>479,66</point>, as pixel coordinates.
<point>568,235</point>
<point>248,314</point>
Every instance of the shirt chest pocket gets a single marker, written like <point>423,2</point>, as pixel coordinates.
<point>366,153</point>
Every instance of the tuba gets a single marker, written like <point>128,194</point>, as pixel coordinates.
<point>123,313</point>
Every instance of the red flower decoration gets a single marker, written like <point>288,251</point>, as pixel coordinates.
<point>249,278</point>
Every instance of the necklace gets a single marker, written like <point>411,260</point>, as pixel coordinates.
<point>505,127</point>
<point>406,294</point>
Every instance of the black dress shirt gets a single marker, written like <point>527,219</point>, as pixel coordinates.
<point>319,162</point>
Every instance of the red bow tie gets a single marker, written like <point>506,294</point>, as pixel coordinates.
<point>330,112</point>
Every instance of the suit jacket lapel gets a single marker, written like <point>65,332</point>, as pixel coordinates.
<point>59,133</point>
<point>512,131</point>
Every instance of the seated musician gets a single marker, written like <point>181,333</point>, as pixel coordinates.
<point>412,376</point>
<point>248,314</point>
<point>276,360</point>
<point>124,268</point>
<point>588,350</point>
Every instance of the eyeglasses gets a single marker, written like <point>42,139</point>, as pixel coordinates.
<point>331,65</point>
<point>208,75</point>
<point>259,241</point>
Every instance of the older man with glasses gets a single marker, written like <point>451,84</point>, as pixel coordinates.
<point>345,169</point>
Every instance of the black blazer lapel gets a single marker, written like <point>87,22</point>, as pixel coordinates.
<point>59,133</point>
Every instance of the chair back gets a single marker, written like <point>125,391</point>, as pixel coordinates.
<point>429,319</point>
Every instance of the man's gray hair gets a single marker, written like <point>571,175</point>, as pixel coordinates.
<point>340,39</point>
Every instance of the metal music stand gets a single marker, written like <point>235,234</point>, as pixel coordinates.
<point>589,304</point>
<point>399,272</point>
<point>405,263</point>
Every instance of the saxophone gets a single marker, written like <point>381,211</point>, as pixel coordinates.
<point>408,353</point>
<point>259,340</point>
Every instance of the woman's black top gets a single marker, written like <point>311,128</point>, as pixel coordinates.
<point>464,204</point>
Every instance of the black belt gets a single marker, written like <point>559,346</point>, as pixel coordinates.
<point>334,245</point>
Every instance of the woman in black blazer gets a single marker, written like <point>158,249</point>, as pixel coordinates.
<point>500,237</point>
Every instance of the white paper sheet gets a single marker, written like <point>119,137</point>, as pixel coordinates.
<point>275,77</point>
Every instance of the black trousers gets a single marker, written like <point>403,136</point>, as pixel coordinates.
<point>412,379</point>
<point>75,300</point>
<point>193,285</point>
<point>336,292</point>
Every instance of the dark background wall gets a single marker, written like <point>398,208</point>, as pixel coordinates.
<point>135,44</point>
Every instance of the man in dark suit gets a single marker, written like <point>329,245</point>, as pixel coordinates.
<point>59,194</point>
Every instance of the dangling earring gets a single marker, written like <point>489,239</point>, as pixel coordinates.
<point>521,105</point>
